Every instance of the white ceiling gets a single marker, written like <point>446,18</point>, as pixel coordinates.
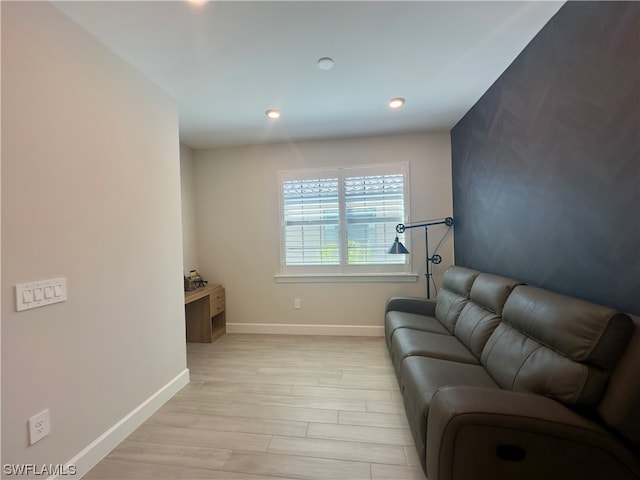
<point>227,62</point>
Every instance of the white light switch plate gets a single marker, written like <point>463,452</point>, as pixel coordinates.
<point>38,294</point>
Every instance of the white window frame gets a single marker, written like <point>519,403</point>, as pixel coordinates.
<point>400,272</point>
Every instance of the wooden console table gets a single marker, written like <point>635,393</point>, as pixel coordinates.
<point>205,314</point>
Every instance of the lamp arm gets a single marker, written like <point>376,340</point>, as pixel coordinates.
<point>401,227</point>
<point>435,258</point>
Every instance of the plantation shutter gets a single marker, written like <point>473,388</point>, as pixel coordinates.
<point>374,206</point>
<point>342,220</point>
<point>311,222</point>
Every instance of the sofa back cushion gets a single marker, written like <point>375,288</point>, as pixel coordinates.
<point>454,294</point>
<point>557,346</point>
<point>483,312</point>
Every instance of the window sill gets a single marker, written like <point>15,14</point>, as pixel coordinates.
<point>348,278</point>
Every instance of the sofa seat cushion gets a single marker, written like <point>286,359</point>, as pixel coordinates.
<point>421,377</point>
<point>395,320</point>
<point>407,342</point>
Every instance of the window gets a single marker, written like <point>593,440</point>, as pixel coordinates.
<point>341,221</point>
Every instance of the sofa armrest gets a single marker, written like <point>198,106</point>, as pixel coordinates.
<point>417,305</point>
<point>478,433</point>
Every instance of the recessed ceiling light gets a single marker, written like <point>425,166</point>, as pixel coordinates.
<point>396,102</point>
<point>272,113</point>
<point>325,63</point>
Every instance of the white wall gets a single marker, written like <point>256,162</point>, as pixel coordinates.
<point>189,208</point>
<point>238,229</point>
<point>90,192</point>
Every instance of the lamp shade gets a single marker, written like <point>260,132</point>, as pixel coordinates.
<point>398,247</point>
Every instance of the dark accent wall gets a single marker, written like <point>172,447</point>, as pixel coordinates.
<point>546,165</point>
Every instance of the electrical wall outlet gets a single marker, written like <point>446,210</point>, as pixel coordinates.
<point>39,426</point>
<point>296,303</point>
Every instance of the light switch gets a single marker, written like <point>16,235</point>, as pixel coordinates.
<point>27,296</point>
<point>39,294</point>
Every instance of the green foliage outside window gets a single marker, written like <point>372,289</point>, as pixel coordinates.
<point>356,252</point>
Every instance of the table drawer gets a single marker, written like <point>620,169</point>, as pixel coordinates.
<point>217,307</point>
<point>216,300</point>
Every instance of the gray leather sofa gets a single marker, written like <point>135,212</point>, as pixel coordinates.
<point>502,380</point>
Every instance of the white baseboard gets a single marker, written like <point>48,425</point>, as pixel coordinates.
<point>99,448</point>
<point>300,329</point>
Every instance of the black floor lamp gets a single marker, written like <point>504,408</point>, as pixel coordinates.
<point>398,247</point>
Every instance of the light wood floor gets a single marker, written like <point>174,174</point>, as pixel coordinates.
<point>276,407</point>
